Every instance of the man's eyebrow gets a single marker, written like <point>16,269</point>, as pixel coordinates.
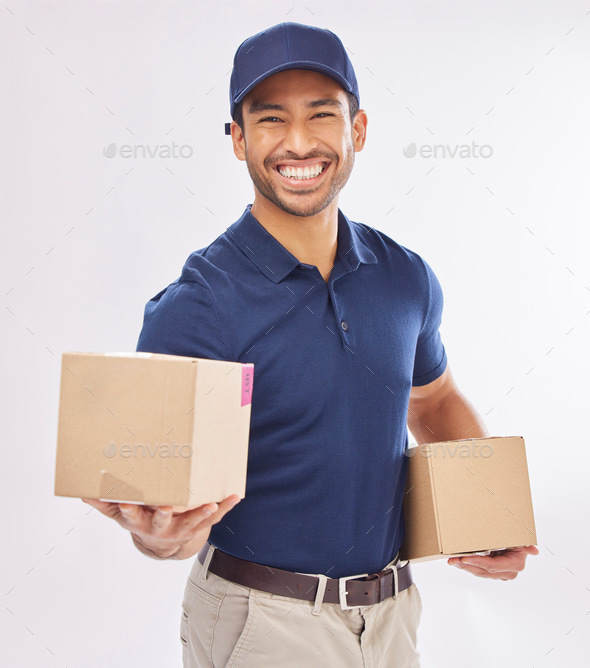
<point>257,106</point>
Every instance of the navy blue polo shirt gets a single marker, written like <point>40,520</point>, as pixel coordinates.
<point>333,366</point>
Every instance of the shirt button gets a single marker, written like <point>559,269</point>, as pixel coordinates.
<point>344,325</point>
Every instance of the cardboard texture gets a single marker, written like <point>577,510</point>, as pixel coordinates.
<point>152,429</point>
<point>466,496</point>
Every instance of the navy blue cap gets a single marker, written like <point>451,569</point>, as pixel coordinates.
<point>289,46</point>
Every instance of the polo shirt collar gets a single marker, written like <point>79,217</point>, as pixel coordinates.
<point>276,262</point>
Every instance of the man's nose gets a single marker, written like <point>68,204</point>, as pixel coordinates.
<point>299,139</point>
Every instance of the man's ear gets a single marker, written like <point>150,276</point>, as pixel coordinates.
<point>359,130</point>
<point>238,141</point>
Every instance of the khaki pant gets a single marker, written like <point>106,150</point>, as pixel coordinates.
<point>225,624</point>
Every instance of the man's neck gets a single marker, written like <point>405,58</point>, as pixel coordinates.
<point>312,240</point>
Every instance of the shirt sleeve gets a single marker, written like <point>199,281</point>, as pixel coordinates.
<point>182,320</point>
<point>430,359</point>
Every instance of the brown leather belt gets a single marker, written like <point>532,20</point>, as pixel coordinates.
<point>347,591</point>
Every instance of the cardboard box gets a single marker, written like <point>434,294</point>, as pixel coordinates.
<point>466,496</point>
<point>152,429</point>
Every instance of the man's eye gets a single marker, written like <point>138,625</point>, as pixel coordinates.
<point>275,118</point>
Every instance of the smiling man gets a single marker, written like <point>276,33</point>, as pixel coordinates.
<point>296,199</point>
<point>342,324</point>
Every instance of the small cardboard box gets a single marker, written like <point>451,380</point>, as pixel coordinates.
<point>152,429</point>
<point>466,496</point>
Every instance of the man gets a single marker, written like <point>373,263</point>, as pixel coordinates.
<point>342,324</point>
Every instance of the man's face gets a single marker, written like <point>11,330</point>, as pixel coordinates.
<point>298,118</point>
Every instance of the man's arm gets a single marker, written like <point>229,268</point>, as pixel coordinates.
<point>439,411</point>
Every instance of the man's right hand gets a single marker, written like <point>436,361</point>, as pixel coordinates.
<point>161,533</point>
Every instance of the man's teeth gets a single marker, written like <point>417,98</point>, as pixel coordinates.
<point>301,173</point>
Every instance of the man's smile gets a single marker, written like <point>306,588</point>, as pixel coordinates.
<point>307,172</point>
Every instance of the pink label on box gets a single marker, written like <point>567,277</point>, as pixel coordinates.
<point>247,380</point>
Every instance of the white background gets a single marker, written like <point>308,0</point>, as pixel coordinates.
<point>88,240</point>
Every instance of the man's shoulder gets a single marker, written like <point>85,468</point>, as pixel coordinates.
<point>211,261</point>
<point>386,249</point>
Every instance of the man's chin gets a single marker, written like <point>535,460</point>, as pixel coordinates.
<point>300,209</point>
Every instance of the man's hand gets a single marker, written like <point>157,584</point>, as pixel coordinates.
<point>499,565</point>
<point>159,532</point>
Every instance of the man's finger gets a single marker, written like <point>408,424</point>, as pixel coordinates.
<point>134,517</point>
<point>105,507</point>
<point>209,514</point>
<point>129,509</point>
<point>198,517</point>
<point>483,573</point>
<point>162,517</point>
<point>225,506</point>
<point>508,561</point>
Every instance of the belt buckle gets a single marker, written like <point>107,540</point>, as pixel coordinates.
<point>342,591</point>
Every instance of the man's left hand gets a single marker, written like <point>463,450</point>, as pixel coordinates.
<point>499,565</point>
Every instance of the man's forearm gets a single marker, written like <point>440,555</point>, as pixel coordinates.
<point>454,418</point>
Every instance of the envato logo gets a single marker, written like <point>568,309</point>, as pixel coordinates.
<point>145,151</point>
<point>472,150</point>
<point>143,450</point>
<point>450,450</point>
